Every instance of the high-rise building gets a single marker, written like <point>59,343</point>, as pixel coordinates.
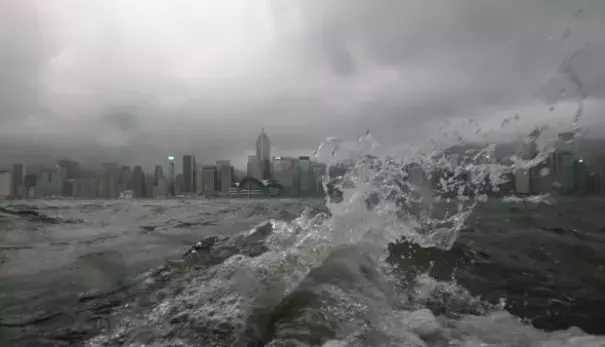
<point>29,182</point>
<point>306,177</point>
<point>263,156</point>
<point>210,173</point>
<point>188,174</point>
<point>171,177</point>
<point>565,143</point>
<point>125,179</point>
<point>224,175</point>
<point>199,179</point>
<point>50,182</point>
<point>17,181</point>
<point>160,190</point>
<point>529,150</point>
<point>253,168</point>
<point>72,171</point>
<point>72,168</point>
<point>6,184</point>
<point>138,182</point>
<point>263,146</point>
<point>178,184</point>
<point>157,174</point>
<point>149,185</point>
<point>112,175</point>
<point>286,172</point>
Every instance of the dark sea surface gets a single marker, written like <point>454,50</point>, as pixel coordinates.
<point>285,272</point>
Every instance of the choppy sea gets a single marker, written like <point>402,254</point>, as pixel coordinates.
<point>383,266</point>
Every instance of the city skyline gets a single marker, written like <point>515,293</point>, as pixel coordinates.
<point>185,83</point>
<point>68,178</point>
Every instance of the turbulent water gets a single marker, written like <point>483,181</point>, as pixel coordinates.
<point>384,266</point>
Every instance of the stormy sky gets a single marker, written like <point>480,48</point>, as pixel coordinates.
<point>136,80</point>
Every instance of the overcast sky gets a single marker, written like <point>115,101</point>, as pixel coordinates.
<point>136,80</point>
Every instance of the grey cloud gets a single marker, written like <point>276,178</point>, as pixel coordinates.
<point>331,68</point>
<point>23,52</point>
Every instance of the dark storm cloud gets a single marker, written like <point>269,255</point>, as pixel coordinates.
<point>204,77</point>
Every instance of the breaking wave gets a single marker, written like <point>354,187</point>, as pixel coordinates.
<point>332,278</point>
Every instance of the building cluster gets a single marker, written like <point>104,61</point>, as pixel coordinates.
<point>563,172</point>
<point>265,176</point>
<point>277,175</point>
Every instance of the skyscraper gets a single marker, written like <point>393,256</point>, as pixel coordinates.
<point>157,174</point>
<point>252,167</point>
<point>210,173</point>
<point>199,180</point>
<point>224,175</point>
<point>171,177</point>
<point>188,174</point>
<point>263,155</point>
<point>286,172</point>
<point>564,163</point>
<point>6,184</point>
<point>263,146</point>
<point>72,171</point>
<point>138,182</point>
<point>306,176</point>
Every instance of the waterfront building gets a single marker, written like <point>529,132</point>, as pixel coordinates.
<point>188,174</point>
<point>125,180</point>
<point>306,176</point>
<point>138,182</point>
<point>263,155</point>
<point>149,178</point>
<point>6,184</point>
<point>160,190</point>
<point>29,183</point>
<point>171,176</point>
<point>224,176</point>
<point>285,171</point>
<point>199,179</point>
<point>209,180</point>
<point>253,167</point>
<point>50,182</point>
<point>158,173</point>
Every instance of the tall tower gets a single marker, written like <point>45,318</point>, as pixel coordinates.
<point>158,174</point>
<point>139,187</point>
<point>263,146</point>
<point>263,155</point>
<point>188,174</point>
<point>171,178</point>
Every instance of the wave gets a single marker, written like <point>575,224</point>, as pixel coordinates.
<point>29,213</point>
<point>361,274</point>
